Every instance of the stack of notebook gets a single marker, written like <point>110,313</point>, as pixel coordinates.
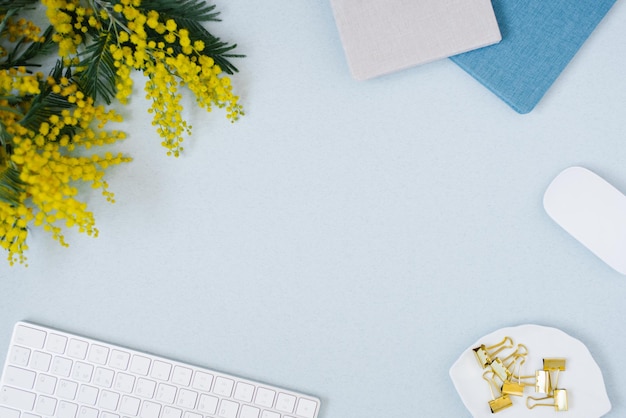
<point>516,48</point>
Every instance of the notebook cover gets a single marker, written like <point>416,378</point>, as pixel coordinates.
<point>539,38</point>
<point>382,36</point>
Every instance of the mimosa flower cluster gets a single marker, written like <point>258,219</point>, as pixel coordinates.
<point>149,41</point>
<point>51,126</point>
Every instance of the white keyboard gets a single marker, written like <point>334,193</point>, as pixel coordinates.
<point>49,373</point>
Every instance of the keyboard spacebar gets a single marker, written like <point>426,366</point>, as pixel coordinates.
<point>17,398</point>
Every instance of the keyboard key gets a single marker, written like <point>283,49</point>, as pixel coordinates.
<point>82,372</point>
<point>145,388</point>
<point>103,377</point>
<point>124,383</point>
<point>306,408</point>
<point>77,349</point>
<point>41,361</point>
<point>29,337</point>
<point>166,393</point>
<point>87,395</point>
<point>270,414</point>
<point>207,404</point>
<point>21,378</point>
<point>67,390</point>
<point>67,410</point>
<point>228,409</point>
<point>244,392</point>
<point>186,399</point>
<point>191,415</point>
<point>169,412</point>
<point>223,386</point>
<point>19,355</point>
<point>181,376</point>
<point>17,398</point>
<point>248,411</point>
<point>46,384</point>
<point>61,366</point>
<point>56,343</point>
<point>108,400</point>
<point>119,360</point>
<point>140,365</point>
<point>9,413</point>
<point>86,412</point>
<point>161,370</point>
<point>202,381</point>
<point>129,405</point>
<point>109,415</point>
<point>98,354</point>
<point>265,397</point>
<point>45,405</point>
<point>150,410</point>
<point>285,402</point>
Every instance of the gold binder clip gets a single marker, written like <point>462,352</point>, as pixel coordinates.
<point>500,403</point>
<point>515,387</point>
<point>483,354</point>
<point>560,400</point>
<point>554,364</point>
<point>501,367</point>
<point>500,370</point>
<point>543,382</point>
<point>551,365</point>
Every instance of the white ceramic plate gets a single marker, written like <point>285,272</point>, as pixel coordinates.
<point>587,397</point>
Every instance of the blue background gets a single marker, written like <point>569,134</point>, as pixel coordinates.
<point>345,239</point>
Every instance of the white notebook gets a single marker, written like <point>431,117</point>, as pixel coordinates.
<point>383,36</point>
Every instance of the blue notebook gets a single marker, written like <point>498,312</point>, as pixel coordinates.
<point>539,38</point>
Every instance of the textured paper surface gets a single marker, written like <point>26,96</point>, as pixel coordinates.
<point>382,36</point>
<point>539,39</point>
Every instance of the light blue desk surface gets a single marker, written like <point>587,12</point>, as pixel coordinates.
<point>346,239</point>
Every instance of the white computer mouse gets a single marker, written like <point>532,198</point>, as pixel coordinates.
<point>592,211</point>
